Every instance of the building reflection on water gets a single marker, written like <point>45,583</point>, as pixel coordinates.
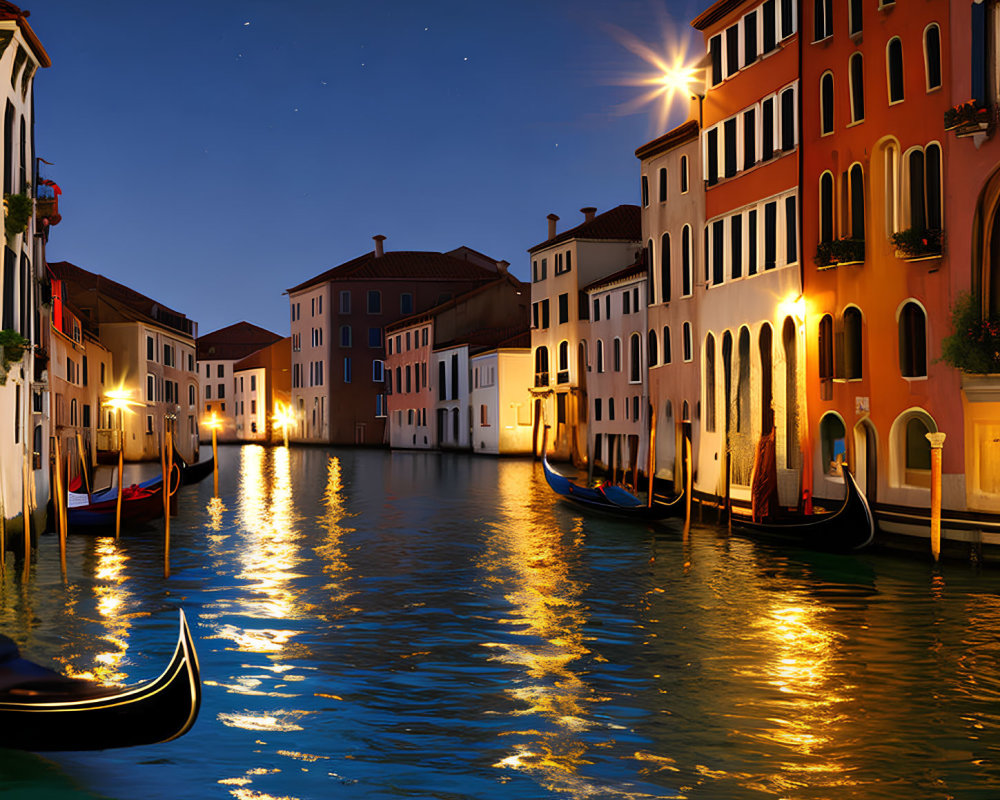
<point>331,550</point>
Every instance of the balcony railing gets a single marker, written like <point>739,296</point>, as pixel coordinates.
<point>917,243</point>
<point>968,119</point>
<point>562,377</point>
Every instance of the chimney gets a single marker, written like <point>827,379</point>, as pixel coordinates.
<point>502,267</point>
<point>588,213</point>
<point>379,252</point>
<point>553,219</point>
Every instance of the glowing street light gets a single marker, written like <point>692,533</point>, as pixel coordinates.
<point>283,418</point>
<point>120,400</point>
<point>214,423</point>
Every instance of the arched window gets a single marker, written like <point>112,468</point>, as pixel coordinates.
<point>666,344</point>
<point>663,184</point>
<point>541,367</point>
<point>686,344</point>
<point>563,355</point>
<point>634,356</point>
<point>924,175</point>
<point>912,341</point>
<point>650,282</point>
<point>664,269</point>
<point>825,342</point>
<point>917,452</point>
<point>709,383</point>
<point>617,355</point>
<point>826,207</point>
<point>857,75</point>
<point>822,19</point>
<point>932,56</point>
<point>826,103</point>
<point>743,382</point>
<point>857,179</point>
<point>687,275</point>
<point>833,442</point>
<point>651,348</point>
<point>890,155</point>
<point>852,343</point>
<point>894,69</point>
<point>600,356</point>
<point>684,174</point>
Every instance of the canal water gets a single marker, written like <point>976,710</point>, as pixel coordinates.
<point>391,625</point>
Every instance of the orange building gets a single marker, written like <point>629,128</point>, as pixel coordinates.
<point>751,340</point>
<point>876,277</point>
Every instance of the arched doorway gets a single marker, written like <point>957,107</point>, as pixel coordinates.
<point>865,466</point>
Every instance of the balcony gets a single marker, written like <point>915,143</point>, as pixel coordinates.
<point>562,377</point>
<point>839,251</point>
<point>542,378</point>
<point>108,440</point>
<point>971,118</point>
<point>918,244</point>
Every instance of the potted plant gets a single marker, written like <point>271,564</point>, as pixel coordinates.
<point>840,251</point>
<point>12,348</point>
<point>18,209</point>
<point>968,115</point>
<point>914,243</point>
<point>974,343</point>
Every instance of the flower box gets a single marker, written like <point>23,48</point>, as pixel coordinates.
<point>918,243</point>
<point>839,251</point>
<point>965,115</point>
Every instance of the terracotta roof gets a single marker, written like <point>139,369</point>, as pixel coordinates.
<point>128,302</point>
<point>633,270</point>
<point>623,223</point>
<point>400,265</point>
<point>679,135</point>
<point>415,319</point>
<point>234,342</point>
<point>716,12</point>
<point>9,11</point>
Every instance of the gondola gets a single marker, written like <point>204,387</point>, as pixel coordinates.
<point>610,499</point>
<point>849,528</point>
<point>43,710</point>
<point>141,503</point>
<point>192,473</point>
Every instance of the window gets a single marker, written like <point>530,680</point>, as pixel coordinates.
<point>709,383</point>
<point>541,370</point>
<point>634,362</point>
<point>686,335</point>
<point>222,391</point>
<point>684,174</point>
<point>253,381</point>
<point>894,69</point>
<point>729,146</point>
<point>826,103</point>
<point>787,18</point>
<point>626,303</point>
<point>617,355</point>
<point>912,341</point>
<point>563,308</point>
<point>852,343</point>
<point>663,184</point>
<point>712,156</point>
<point>150,352</point>
<point>150,389</point>
<point>611,408</point>
<point>406,303</point>
<point>345,302</point>
<point>825,343</point>
<point>822,19</point>
<point>749,138</point>
<point>597,409</point>
<point>651,348</point>
<point>792,229</point>
<point>826,207</point>
<point>687,273</point>
<point>770,235</point>
<point>664,270</point>
<point>752,242</point>
<point>645,191</point>
<point>374,337</point>
<point>857,183</point>
<point>788,120</point>
<point>736,246</point>
<point>857,79</point>
<point>718,252</point>
<point>650,277</point>
<point>600,356</point>
<point>345,335</point>
<point>924,172</point>
<point>545,313</point>
<point>597,310</point>
<point>191,397</point>
<point>769,26</point>
<point>833,439</point>
<point>715,54</point>
<point>732,50</point>
<point>932,56</point>
<point>666,345</point>
<point>918,452</point>
<point>374,301</point>
<point>750,38</point>
<point>767,129</point>
<point>854,26</point>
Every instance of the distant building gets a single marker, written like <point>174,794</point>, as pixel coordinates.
<point>500,398</point>
<point>262,380</point>
<point>153,354</point>
<point>218,352</point>
<point>427,366</point>
<point>560,267</point>
<point>338,320</point>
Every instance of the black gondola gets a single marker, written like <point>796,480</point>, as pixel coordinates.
<point>43,710</point>
<point>192,473</point>
<point>849,528</point>
<point>610,499</point>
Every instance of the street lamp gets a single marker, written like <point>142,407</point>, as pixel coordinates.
<point>120,400</point>
<point>283,417</point>
<point>214,423</point>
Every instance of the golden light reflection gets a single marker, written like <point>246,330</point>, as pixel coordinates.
<point>675,77</point>
<point>216,508</point>
<point>527,559</point>
<point>271,722</point>
<point>283,418</point>
<point>331,550</point>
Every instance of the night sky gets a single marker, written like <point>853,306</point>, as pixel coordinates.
<point>214,154</point>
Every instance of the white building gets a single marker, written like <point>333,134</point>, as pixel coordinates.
<point>501,401</point>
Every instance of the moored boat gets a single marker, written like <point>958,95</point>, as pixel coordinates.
<point>610,499</point>
<point>43,710</point>
<point>97,512</point>
<point>851,527</point>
